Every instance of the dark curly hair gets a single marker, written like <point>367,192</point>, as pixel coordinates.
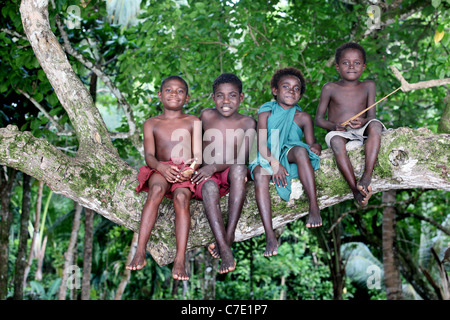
<point>227,78</point>
<point>177,78</point>
<point>289,71</point>
<point>349,45</point>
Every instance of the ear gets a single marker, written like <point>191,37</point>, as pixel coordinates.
<point>337,67</point>
<point>213,97</point>
<point>241,97</point>
<point>274,91</point>
<point>159,95</point>
<point>187,99</point>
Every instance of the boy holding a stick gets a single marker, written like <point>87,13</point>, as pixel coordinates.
<point>343,100</point>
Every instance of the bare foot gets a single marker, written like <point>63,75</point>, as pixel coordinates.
<point>314,219</point>
<point>138,262</point>
<point>179,271</point>
<point>359,198</point>
<point>271,246</point>
<point>228,264</point>
<point>366,191</point>
<point>214,250</point>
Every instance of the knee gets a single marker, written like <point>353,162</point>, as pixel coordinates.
<point>238,172</point>
<point>209,188</point>
<point>337,144</point>
<point>181,198</point>
<point>261,177</point>
<point>156,191</point>
<point>300,153</point>
<point>374,129</point>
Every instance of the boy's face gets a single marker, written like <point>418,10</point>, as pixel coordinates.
<point>288,91</point>
<point>351,64</point>
<point>227,99</point>
<point>173,95</point>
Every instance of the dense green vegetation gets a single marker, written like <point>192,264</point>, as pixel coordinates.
<point>199,40</point>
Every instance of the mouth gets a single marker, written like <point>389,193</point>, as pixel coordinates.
<point>226,108</point>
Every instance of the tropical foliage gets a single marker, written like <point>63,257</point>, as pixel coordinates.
<point>198,40</point>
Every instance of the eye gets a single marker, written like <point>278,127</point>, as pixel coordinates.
<point>357,63</point>
<point>180,91</point>
<point>297,89</point>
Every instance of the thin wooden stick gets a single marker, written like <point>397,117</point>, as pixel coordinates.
<point>356,116</point>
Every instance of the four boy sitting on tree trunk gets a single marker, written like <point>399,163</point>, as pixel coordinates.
<point>227,139</point>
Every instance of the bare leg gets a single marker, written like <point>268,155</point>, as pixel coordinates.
<point>372,147</point>
<point>345,167</point>
<point>181,198</point>
<point>300,156</point>
<point>262,179</point>
<point>210,194</point>
<point>158,187</point>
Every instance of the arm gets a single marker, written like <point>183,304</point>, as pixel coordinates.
<point>262,136</point>
<point>196,147</point>
<point>279,171</point>
<point>170,173</point>
<point>308,131</point>
<point>321,122</point>
<point>247,142</point>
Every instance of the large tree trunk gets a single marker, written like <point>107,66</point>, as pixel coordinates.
<point>21,261</point>
<point>392,279</point>
<point>98,179</point>
<point>6,184</point>
<point>70,272</point>
<point>87,253</point>
<point>35,235</point>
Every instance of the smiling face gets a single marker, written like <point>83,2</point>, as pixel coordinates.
<point>227,99</point>
<point>351,64</point>
<point>173,94</point>
<point>288,92</point>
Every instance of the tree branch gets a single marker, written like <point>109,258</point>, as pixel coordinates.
<point>71,92</point>
<point>406,86</point>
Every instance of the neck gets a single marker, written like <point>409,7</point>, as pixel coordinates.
<point>173,114</point>
<point>285,106</point>
<point>350,82</point>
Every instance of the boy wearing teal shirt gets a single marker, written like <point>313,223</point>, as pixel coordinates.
<point>282,155</point>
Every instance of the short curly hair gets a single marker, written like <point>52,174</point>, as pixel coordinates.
<point>176,78</point>
<point>349,45</point>
<point>227,78</point>
<point>289,71</point>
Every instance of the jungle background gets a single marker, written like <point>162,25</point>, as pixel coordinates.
<point>135,44</point>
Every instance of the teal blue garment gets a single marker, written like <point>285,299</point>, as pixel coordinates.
<point>281,123</point>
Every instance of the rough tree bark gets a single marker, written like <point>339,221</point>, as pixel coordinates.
<point>21,260</point>
<point>6,184</point>
<point>392,279</point>
<point>99,180</point>
<point>69,260</point>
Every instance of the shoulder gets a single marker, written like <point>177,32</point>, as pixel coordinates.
<point>302,116</point>
<point>248,122</point>
<point>151,122</point>
<point>207,113</point>
<point>192,118</point>
<point>328,88</point>
<point>369,84</point>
